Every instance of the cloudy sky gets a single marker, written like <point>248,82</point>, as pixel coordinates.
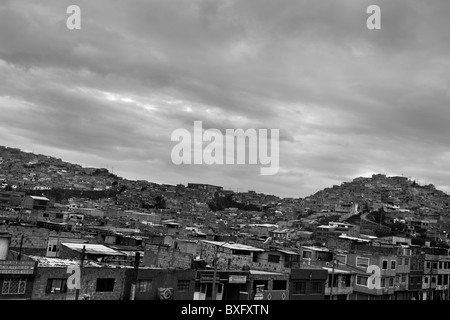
<point>348,101</point>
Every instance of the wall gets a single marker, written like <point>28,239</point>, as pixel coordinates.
<point>166,257</point>
<point>307,275</point>
<point>35,239</point>
<point>160,279</point>
<point>28,288</point>
<point>88,285</point>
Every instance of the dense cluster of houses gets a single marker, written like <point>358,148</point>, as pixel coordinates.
<point>202,242</point>
<point>166,267</point>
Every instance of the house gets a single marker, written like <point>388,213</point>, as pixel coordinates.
<point>307,283</point>
<point>97,252</point>
<point>16,277</point>
<point>98,281</point>
<point>227,255</point>
<point>11,198</point>
<point>35,203</point>
<point>418,284</point>
<point>319,256</point>
<point>279,260</point>
<point>241,285</point>
<point>159,284</point>
<point>384,262</point>
<point>339,284</point>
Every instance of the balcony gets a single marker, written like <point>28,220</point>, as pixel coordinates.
<point>400,286</point>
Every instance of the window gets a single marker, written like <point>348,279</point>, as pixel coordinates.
<point>144,286</point>
<point>299,287</point>
<point>391,282</point>
<point>341,258</point>
<point>307,254</point>
<point>274,258</point>
<point>316,287</point>
<point>426,279</point>
<point>440,279</point>
<point>393,264</point>
<point>183,285</point>
<point>56,286</point>
<point>105,285</point>
<point>362,262</point>
<point>384,265</point>
<point>433,280</point>
<point>446,279</point>
<point>428,265</point>
<point>435,265</point>
<point>348,280</point>
<point>14,286</point>
<point>361,280</point>
<point>403,279</point>
<point>406,261</point>
<point>440,264</point>
<point>383,283</point>
<point>279,285</point>
<point>59,216</point>
<point>45,215</point>
<point>400,261</point>
<point>335,280</point>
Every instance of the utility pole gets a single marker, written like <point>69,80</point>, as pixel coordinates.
<point>77,292</point>
<point>135,275</point>
<point>214,293</point>
<point>332,281</point>
<point>19,256</point>
<point>431,279</point>
<point>214,276</point>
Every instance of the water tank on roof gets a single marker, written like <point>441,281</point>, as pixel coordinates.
<point>5,239</point>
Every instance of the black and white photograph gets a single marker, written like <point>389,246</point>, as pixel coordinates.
<point>231,156</point>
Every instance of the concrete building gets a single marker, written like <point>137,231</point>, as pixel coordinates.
<point>35,203</point>
<point>307,284</point>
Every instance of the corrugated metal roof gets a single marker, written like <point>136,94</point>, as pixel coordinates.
<point>57,262</point>
<point>288,252</point>
<point>344,236</point>
<point>337,271</point>
<point>98,249</point>
<point>39,198</point>
<point>316,248</point>
<point>266,273</point>
<point>233,246</point>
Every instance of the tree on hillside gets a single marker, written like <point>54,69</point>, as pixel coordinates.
<point>160,202</point>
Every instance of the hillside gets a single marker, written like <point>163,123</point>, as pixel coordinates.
<point>42,174</point>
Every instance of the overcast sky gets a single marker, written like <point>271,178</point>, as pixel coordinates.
<point>348,101</point>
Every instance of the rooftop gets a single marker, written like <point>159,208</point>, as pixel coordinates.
<point>233,246</point>
<point>98,249</point>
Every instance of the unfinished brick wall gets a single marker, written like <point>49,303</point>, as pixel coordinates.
<point>35,240</point>
<point>225,259</point>
<point>88,284</point>
<point>166,257</point>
